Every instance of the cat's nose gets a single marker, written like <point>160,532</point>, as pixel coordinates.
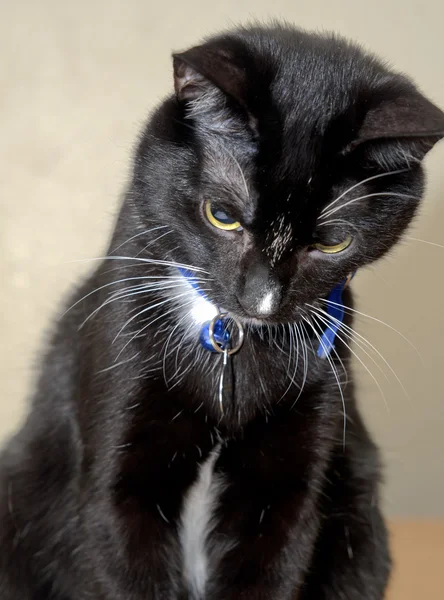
<point>261,294</point>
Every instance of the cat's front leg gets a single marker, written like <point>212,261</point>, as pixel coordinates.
<point>352,561</point>
<point>351,558</point>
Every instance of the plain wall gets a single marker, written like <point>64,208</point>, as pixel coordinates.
<point>77,81</point>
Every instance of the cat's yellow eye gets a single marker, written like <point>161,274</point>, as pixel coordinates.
<point>334,249</point>
<point>220,219</point>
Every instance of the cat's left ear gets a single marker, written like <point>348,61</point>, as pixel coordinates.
<point>401,129</point>
<point>198,70</point>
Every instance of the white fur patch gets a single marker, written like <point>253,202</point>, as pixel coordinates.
<point>200,309</point>
<point>279,239</point>
<point>196,525</point>
<point>266,304</point>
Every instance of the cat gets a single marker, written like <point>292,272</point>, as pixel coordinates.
<point>193,434</point>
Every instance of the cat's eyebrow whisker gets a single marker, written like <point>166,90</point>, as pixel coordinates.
<point>413,239</point>
<point>353,335</point>
<point>353,187</point>
<point>335,373</point>
<point>138,235</point>
<point>338,221</point>
<point>392,194</point>
<point>350,310</point>
<point>236,162</point>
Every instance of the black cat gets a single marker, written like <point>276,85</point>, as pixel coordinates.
<point>164,459</point>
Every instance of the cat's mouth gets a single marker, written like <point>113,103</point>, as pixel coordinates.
<point>247,320</point>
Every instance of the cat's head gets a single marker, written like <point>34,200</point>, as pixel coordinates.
<point>284,162</point>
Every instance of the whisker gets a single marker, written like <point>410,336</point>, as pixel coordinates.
<point>151,307</point>
<point>360,360</point>
<point>350,336</point>
<point>335,373</point>
<point>376,194</point>
<point>123,295</point>
<point>353,187</point>
<point>154,241</point>
<point>339,359</point>
<point>150,261</point>
<point>137,235</point>
<point>366,341</point>
<point>122,362</point>
<point>169,277</point>
<point>350,310</point>
<point>165,355</point>
<point>407,237</point>
<point>236,162</point>
<point>150,323</point>
<point>296,359</point>
<point>337,222</point>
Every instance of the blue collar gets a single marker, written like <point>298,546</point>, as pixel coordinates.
<point>221,334</point>
<point>335,309</point>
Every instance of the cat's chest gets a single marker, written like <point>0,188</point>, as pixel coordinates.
<point>201,550</point>
<point>218,500</point>
<point>235,507</point>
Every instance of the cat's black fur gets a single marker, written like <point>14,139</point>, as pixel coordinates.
<point>92,487</point>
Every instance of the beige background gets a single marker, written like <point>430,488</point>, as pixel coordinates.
<point>77,79</point>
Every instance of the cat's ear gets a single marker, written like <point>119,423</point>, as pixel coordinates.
<point>400,130</point>
<point>198,70</point>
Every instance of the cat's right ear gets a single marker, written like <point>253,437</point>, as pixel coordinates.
<point>201,69</point>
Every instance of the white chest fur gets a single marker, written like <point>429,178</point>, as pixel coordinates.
<point>199,556</point>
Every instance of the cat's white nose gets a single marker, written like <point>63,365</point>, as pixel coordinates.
<point>262,304</point>
<point>267,303</point>
<point>260,294</point>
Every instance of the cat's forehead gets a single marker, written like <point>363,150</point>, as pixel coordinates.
<point>270,183</point>
<point>272,200</point>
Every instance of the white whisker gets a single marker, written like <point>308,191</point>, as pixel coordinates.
<point>124,294</point>
<point>151,307</point>
<point>151,322</point>
<point>407,237</point>
<point>137,235</point>
<point>154,241</point>
<point>144,277</point>
<point>353,310</point>
<point>353,334</point>
<point>150,261</point>
<point>335,373</point>
<point>122,362</point>
<point>359,359</point>
<point>376,194</point>
<point>353,187</point>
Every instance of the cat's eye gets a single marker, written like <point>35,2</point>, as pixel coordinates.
<point>220,219</point>
<point>335,248</point>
